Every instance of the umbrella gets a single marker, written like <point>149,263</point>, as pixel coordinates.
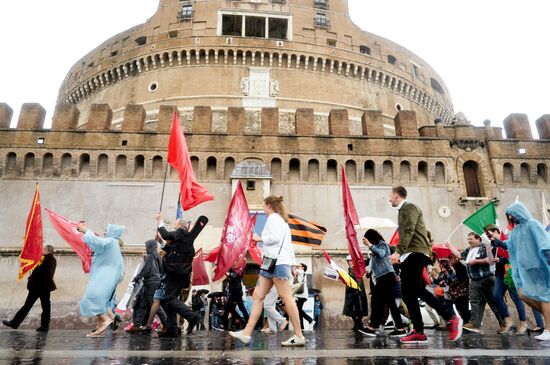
<point>375,223</point>
<point>200,291</point>
<point>314,291</point>
<point>441,250</point>
<point>216,294</point>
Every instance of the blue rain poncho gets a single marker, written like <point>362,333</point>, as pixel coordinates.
<point>105,273</point>
<point>529,245</point>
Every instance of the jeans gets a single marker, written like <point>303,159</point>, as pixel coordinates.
<point>481,293</point>
<point>499,292</point>
<point>414,287</point>
<point>274,318</point>
<point>32,297</point>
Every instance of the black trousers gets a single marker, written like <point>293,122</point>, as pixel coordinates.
<point>414,288</point>
<point>462,305</point>
<point>143,304</point>
<point>383,294</point>
<point>233,301</point>
<point>172,305</point>
<point>32,297</point>
<point>303,315</point>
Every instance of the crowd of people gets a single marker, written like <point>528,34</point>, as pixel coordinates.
<point>454,288</point>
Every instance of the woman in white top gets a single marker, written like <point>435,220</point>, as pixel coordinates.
<point>277,244</point>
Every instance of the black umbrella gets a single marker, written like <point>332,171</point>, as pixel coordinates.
<point>200,291</point>
<point>215,294</point>
<point>315,291</point>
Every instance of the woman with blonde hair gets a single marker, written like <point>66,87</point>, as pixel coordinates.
<point>275,270</point>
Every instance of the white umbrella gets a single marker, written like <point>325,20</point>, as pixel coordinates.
<point>375,223</point>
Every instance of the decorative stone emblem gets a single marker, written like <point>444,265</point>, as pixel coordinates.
<point>245,86</point>
<point>273,88</point>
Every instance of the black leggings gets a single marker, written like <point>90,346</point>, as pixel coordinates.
<point>383,294</point>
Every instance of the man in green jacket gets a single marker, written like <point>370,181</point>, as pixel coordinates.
<point>413,253</point>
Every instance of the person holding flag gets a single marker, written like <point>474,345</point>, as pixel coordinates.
<point>413,252</point>
<point>39,285</point>
<point>275,270</point>
<point>529,248</point>
<point>356,304</point>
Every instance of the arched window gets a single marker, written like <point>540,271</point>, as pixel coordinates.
<point>351,171</point>
<point>47,164</point>
<point>29,164</point>
<point>472,179</point>
<point>313,170</point>
<point>332,172</point>
<point>422,175</point>
<point>158,171</point>
<point>66,162</point>
<point>11,163</point>
<point>387,172</point>
<point>508,173</point>
<point>369,171</point>
<point>276,169</point>
<point>139,167</point>
<point>228,167</point>
<point>405,172</point>
<point>211,167</point>
<point>84,165</point>
<point>524,173</point>
<point>542,174</point>
<point>294,170</point>
<point>102,165</point>
<point>440,175</point>
<point>121,166</point>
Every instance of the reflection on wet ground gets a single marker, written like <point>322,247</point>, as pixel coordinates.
<point>323,348</point>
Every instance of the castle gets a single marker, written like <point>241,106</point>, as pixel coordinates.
<point>276,94</point>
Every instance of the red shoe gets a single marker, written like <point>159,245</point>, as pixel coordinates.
<point>155,325</point>
<point>129,327</point>
<point>455,328</point>
<point>414,337</point>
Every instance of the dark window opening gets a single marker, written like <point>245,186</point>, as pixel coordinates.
<point>141,40</point>
<point>392,60</point>
<point>331,42</point>
<point>186,12</point>
<point>364,50</point>
<point>232,25</point>
<point>173,34</point>
<point>321,20</point>
<point>350,147</point>
<point>90,65</point>
<point>278,28</point>
<point>255,26</point>
<point>114,53</point>
<point>250,185</point>
<point>124,142</point>
<point>472,179</point>
<point>437,86</point>
<point>323,4</point>
<point>416,71</point>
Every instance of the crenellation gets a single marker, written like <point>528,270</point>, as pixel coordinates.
<point>202,119</point>
<point>65,117</point>
<point>543,126</point>
<point>305,122</point>
<point>100,118</point>
<point>338,123</point>
<point>166,118</point>
<point>235,120</point>
<point>270,121</point>
<point>6,113</point>
<point>406,124</point>
<point>372,123</point>
<point>134,118</point>
<point>32,116</point>
<point>516,126</point>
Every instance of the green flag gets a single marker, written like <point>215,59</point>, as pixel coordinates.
<point>481,218</point>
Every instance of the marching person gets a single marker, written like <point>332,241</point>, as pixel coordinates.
<point>413,252</point>
<point>303,294</point>
<point>177,270</point>
<point>275,321</point>
<point>529,248</point>
<point>356,304</point>
<point>40,284</point>
<point>105,274</point>
<point>275,270</point>
<point>234,297</point>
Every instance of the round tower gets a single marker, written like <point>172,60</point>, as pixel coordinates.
<point>284,54</point>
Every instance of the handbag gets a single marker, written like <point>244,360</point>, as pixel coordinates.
<point>268,263</point>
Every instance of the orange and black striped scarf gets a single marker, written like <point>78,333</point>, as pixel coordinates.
<point>304,232</point>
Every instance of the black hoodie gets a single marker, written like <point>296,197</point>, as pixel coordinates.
<point>150,272</point>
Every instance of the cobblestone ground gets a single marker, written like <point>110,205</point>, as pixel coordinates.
<point>207,347</point>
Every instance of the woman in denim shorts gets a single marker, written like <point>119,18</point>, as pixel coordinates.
<point>277,244</point>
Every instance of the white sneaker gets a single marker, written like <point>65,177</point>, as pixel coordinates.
<point>240,336</point>
<point>294,341</point>
<point>545,336</point>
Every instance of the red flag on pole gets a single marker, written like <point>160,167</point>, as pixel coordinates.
<point>252,248</point>
<point>192,194</point>
<point>351,218</point>
<point>31,253</point>
<point>213,255</point>
<point>394,241</point>
<point>67,230</point>
<point>235,235</point>
<point>200,276</point>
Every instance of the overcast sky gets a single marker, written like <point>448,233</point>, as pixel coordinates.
<point>494,55</point>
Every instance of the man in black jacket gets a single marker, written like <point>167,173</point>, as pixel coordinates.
<point>234,297</point>
<point>39,285</point>
<point>177,269</point>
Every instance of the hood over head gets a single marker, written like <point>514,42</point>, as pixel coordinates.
<point>519,211</point>
<point>151,246</point>
<point>114,231</point>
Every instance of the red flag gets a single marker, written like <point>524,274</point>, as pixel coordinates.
<point>501,252</point>
<point>394,241</point>
<point>67,230</point>
<point>31,253</point>
<point>235,235</point>
<point>253,248</point>
<point>200,276</point>
<point>351,218</point>
<point>213,255</point>
<point>192,194</point>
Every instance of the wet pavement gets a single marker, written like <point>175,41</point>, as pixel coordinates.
<point>212,347</point>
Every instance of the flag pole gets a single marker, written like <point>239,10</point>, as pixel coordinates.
<point>163,186</point>
<point>454,231</point>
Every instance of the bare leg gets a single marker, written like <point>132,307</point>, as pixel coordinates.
<point>283,288</point>
<point>152,313</point>
<point>545,306</point>
<point>264,286</point>
<point>530,302</point>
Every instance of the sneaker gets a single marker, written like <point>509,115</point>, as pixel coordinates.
<point>155,325</point>
<point>414,337</point>
<point>129,327</point>
<point>192,324</point>
<point>240,336</point>
<point>294,341</point>
<point>545,336</point>
<point>537,329</point>
<point>471,328</point>
<point>9,324</point>
<point>42,329</point>
<point>455,328</point>
<point>397,333</point>
<point>367,331</point>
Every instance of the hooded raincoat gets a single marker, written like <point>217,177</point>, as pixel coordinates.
<point>529,245</point>
<point>105,273</point>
